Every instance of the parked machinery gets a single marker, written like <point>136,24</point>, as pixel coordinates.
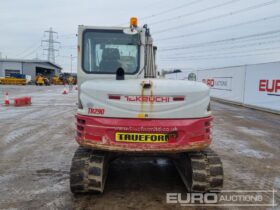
<point>124,108</point>
<point>14,79</point>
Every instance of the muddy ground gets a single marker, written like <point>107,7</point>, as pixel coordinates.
<point>37,145</point>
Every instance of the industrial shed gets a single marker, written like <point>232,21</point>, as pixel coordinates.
<point>28,67</point>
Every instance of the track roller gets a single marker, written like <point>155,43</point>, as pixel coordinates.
<point>201,171</point>
<point>88,171</point>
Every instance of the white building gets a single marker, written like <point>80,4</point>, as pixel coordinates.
<point>28,67</point>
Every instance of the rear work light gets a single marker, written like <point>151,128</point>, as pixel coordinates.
<point>179,98</point>
<point>81,121</point>
<point>114,97</point>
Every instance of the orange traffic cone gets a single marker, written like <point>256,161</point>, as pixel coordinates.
<point>64,90</point>
<point>7,100</point>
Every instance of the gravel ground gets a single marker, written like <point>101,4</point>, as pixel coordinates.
<point>37,144</point>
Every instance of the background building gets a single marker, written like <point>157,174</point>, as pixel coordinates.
<point>28,67</point>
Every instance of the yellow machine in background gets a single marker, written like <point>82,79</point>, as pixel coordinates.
<point>56,80</point>
<point>42,80</point>
<point>39,80</point>
<point>12,81</point>
<point>64,78</point>
<point>71,80</point>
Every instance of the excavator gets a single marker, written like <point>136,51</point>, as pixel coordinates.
<point>126,108</point>
<point>41,80</point>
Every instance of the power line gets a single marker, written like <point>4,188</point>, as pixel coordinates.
<point>150,5</point>
<point>228,53</point>
<point>66,56</point>
<point>68,36</point>
<point>214,67</point>
<point>168,10</point>
<point>218,41</point>
<point>194,13</point>
<point>32,52</point>
<point>220,28</point>
<point>223,48</point>
<point>27,49</point>
<point>220,16</point>
<point>172,9</point>
<point>69,47</point>
<point>229,48</point>
<point>222,57</point>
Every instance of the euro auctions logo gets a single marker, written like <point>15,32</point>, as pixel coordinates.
<point>225,198</point>
<point>219,83</point>
<point>209,82</point>
<point>271,87</point>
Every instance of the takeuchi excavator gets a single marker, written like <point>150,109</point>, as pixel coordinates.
<point>126,108</point>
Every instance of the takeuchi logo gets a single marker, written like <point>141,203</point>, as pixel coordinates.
<point>148,99</point>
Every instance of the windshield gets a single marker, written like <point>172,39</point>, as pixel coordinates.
<point>104,51</point>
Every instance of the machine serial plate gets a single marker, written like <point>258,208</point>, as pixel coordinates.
<point>142,137</point>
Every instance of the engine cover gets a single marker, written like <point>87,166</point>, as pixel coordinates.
<point>144,98</point>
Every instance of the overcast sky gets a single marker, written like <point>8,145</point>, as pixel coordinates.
<point>190,34</point>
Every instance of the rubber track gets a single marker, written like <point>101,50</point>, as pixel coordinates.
<point>207,171</point>
<point>88,171</point>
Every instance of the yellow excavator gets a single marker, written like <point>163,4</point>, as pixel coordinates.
<point>41,80</point>
<point>56,80</point>
<point>64,78</point>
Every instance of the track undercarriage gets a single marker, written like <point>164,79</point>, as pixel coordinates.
<point>200,171</point>
<point>88,171</point>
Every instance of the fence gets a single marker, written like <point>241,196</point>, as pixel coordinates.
<point>256,86</point>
